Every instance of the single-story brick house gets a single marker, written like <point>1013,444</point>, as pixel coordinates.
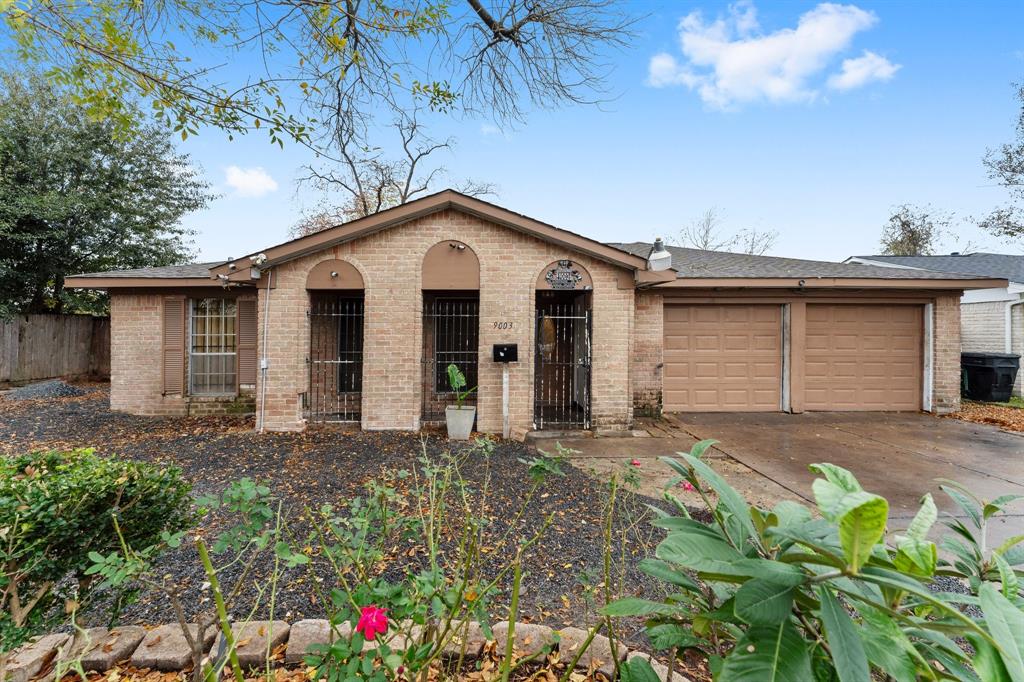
<point>991,320</point>
<point>358,322</point>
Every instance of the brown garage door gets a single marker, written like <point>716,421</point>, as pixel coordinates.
<point>722,358</point>
<point>863,357</point>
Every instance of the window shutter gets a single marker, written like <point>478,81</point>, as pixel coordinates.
<point>247,334</point>
<point>174,345</point>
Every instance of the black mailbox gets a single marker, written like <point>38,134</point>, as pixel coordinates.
<point>506,352</point>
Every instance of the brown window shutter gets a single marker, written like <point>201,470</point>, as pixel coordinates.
<point>174,345</point>
<point>247,341</point>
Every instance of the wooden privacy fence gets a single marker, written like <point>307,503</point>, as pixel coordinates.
<point>35,347</point>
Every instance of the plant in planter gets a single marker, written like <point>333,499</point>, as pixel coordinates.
<point>459,416</point>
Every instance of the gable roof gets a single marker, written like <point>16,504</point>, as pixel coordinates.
<point>690,267</point>
<point>1004,265</point>
<point>191,274</point>
<point>696,267</point>
<point>444,200</point>
<point>164,271</point>
<point>721,264</point>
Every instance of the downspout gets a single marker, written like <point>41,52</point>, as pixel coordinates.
<point>1008,324</point>
<point>264,363</point>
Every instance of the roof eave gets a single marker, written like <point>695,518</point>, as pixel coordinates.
<point>138,282</point>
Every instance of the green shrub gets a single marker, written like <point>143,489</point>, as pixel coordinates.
<point>56,508</point>
<point>786,594</point>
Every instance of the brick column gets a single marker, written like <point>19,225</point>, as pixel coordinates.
<point>946,358</point>
<point>646,366</point>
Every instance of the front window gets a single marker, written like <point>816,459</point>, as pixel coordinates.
<point>212,348</point>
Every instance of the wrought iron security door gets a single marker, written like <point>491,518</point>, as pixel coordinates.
<point>335,358</point>
<point>451,335</point>
<point>563,364</point>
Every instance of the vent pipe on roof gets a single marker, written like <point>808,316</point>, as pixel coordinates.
<point>659,258</point>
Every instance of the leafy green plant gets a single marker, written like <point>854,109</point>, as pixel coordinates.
<point>968,542</point>
<point>59,508</point>
<point>457,382</point>
<point>252,526</point>
<point>790,594</point>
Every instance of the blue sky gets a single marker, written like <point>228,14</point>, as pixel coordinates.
<point>811,120</point>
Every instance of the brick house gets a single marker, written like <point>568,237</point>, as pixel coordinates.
<point>991,319</point>
<point>358,323</point>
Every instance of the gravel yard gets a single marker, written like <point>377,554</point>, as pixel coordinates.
<point>323,466</point>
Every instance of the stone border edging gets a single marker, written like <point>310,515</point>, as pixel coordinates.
<point>164,647</point>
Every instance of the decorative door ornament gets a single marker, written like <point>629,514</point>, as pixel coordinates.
<point>563,276</point>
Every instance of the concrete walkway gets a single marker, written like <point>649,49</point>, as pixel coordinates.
<point>765,456</point>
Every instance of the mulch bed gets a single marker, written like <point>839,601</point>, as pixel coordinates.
<point>1003,416</point>
<point>325,466</point>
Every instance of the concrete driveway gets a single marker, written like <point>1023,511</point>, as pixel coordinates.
<point>899,456</point>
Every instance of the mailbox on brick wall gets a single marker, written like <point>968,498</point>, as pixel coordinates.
<point>506,352</point>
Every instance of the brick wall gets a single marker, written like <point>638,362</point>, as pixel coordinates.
<point>648,344</point>
<point>390,263</point>
<point>136,379</point>
<point>946,359</point>
<point>982,327</point>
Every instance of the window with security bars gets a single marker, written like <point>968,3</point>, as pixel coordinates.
<point>451,335</point>
<point>213,347</point>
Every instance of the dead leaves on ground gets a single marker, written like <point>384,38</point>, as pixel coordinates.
<point>1009,418</point>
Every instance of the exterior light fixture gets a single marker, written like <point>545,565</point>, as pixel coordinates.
<point>659,258</point>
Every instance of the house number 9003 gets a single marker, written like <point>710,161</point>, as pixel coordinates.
<point>506,324</point>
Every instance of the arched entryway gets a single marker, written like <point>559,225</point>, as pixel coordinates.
<point>562,366</point>
<point>451,324</point>
<point>335,343</point>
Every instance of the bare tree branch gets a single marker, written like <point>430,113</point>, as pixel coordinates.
<point>369,182</point>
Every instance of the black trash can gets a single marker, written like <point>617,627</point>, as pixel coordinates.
<point>988,377</point>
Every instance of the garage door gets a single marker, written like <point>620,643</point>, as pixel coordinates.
<point>863,357</point>
<point>722,358</point>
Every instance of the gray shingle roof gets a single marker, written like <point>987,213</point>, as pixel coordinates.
<point>721,264</point>
<point>1001,265</point>
<point>189,271</point>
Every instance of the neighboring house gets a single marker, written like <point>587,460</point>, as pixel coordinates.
<point>992,320</point>
<point>358,323</point>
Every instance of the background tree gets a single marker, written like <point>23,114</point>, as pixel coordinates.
<point>914,230</point>
<point>76,196</point>
<point>1005,165</point>
<point>366,180</point>
<point>707,233</point>
<point>317,60</point>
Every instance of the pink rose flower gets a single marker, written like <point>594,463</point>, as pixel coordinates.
<point>687,486</point>
<point>372,621</point>
<point>635,462</point>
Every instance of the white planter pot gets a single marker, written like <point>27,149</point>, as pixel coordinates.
<point>460,421</point>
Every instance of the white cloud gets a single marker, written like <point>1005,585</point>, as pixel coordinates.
<point>862,70</point>
<point>249,182</point>
<point>729,61</point>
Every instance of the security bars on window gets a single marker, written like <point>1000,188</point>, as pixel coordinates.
<point>451,335</point>
<point>335,358</point>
